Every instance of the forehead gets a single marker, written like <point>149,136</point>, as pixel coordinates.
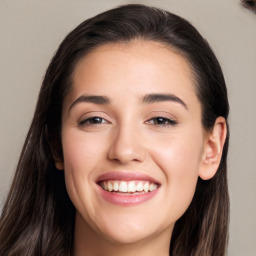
<point>134,68</point>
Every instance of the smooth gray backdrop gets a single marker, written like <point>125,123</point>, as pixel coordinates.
<point>30,32</point>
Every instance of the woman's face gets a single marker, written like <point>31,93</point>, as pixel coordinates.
<point>133,141</point>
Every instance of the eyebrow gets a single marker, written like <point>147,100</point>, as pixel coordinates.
<point>147,99</point>
<point>156,97</point>
<point>100,100</point>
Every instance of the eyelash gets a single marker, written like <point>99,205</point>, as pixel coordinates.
<point>88,121</point>
<point>165,122</point>
<point>158,121</point>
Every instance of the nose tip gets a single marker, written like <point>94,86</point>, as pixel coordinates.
<point>125,148</point>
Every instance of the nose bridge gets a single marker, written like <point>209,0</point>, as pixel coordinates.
<point>126,143</point>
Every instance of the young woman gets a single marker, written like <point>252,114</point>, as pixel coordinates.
<point>126,154</point>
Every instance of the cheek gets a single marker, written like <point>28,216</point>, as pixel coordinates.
<point>178,155</point>
<point>179,159</point>
<point>82,154</point>
<point>81,151</point>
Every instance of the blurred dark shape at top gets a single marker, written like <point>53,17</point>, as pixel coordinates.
<point>250,4</point>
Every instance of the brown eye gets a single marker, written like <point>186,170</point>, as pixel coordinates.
<point>93,121</point>
<point>162,121</point>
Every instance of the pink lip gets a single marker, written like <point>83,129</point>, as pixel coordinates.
<point>124,199</point>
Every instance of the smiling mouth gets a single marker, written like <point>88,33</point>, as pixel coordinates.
<point>128,187</point>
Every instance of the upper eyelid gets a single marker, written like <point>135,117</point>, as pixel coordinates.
<point>92,114</point>
<point>163,114</point>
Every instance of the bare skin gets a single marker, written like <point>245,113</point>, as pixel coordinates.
<point>146,120</point>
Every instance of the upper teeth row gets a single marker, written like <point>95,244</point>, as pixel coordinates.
<point>130,186</point>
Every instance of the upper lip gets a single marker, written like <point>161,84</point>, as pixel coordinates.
<point>125,176</point>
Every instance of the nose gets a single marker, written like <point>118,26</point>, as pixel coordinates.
<point>127,146</point>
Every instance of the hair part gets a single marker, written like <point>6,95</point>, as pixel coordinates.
<point>38,217</point>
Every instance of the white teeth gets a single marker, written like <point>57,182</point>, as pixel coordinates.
<point>152,187</point>
<point>130,186</point>
<point>116,186</point>
<point>146,187</point>
<point>140,186</point>
<point>123,186</point>
<point>110,187</point>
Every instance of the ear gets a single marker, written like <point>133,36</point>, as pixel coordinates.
<point>55,151</point>
<point>59,164</point>
<point>213,148</point>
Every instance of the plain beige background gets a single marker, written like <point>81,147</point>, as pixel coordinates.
<point>32,30</point>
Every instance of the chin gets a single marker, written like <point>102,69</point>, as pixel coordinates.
<point>129,228</point>
<point>126,236</point>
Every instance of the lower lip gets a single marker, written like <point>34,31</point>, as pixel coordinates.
<point>126,199</point>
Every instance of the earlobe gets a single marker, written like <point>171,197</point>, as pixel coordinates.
<point>59,165</point>
<point>213,148</point>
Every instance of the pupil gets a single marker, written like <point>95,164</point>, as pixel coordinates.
<point>96,120</point>
<point>160,120</point>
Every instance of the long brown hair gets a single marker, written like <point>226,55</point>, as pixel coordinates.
<point>38,216</point>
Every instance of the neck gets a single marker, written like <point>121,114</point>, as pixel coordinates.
<point>87,242</point>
